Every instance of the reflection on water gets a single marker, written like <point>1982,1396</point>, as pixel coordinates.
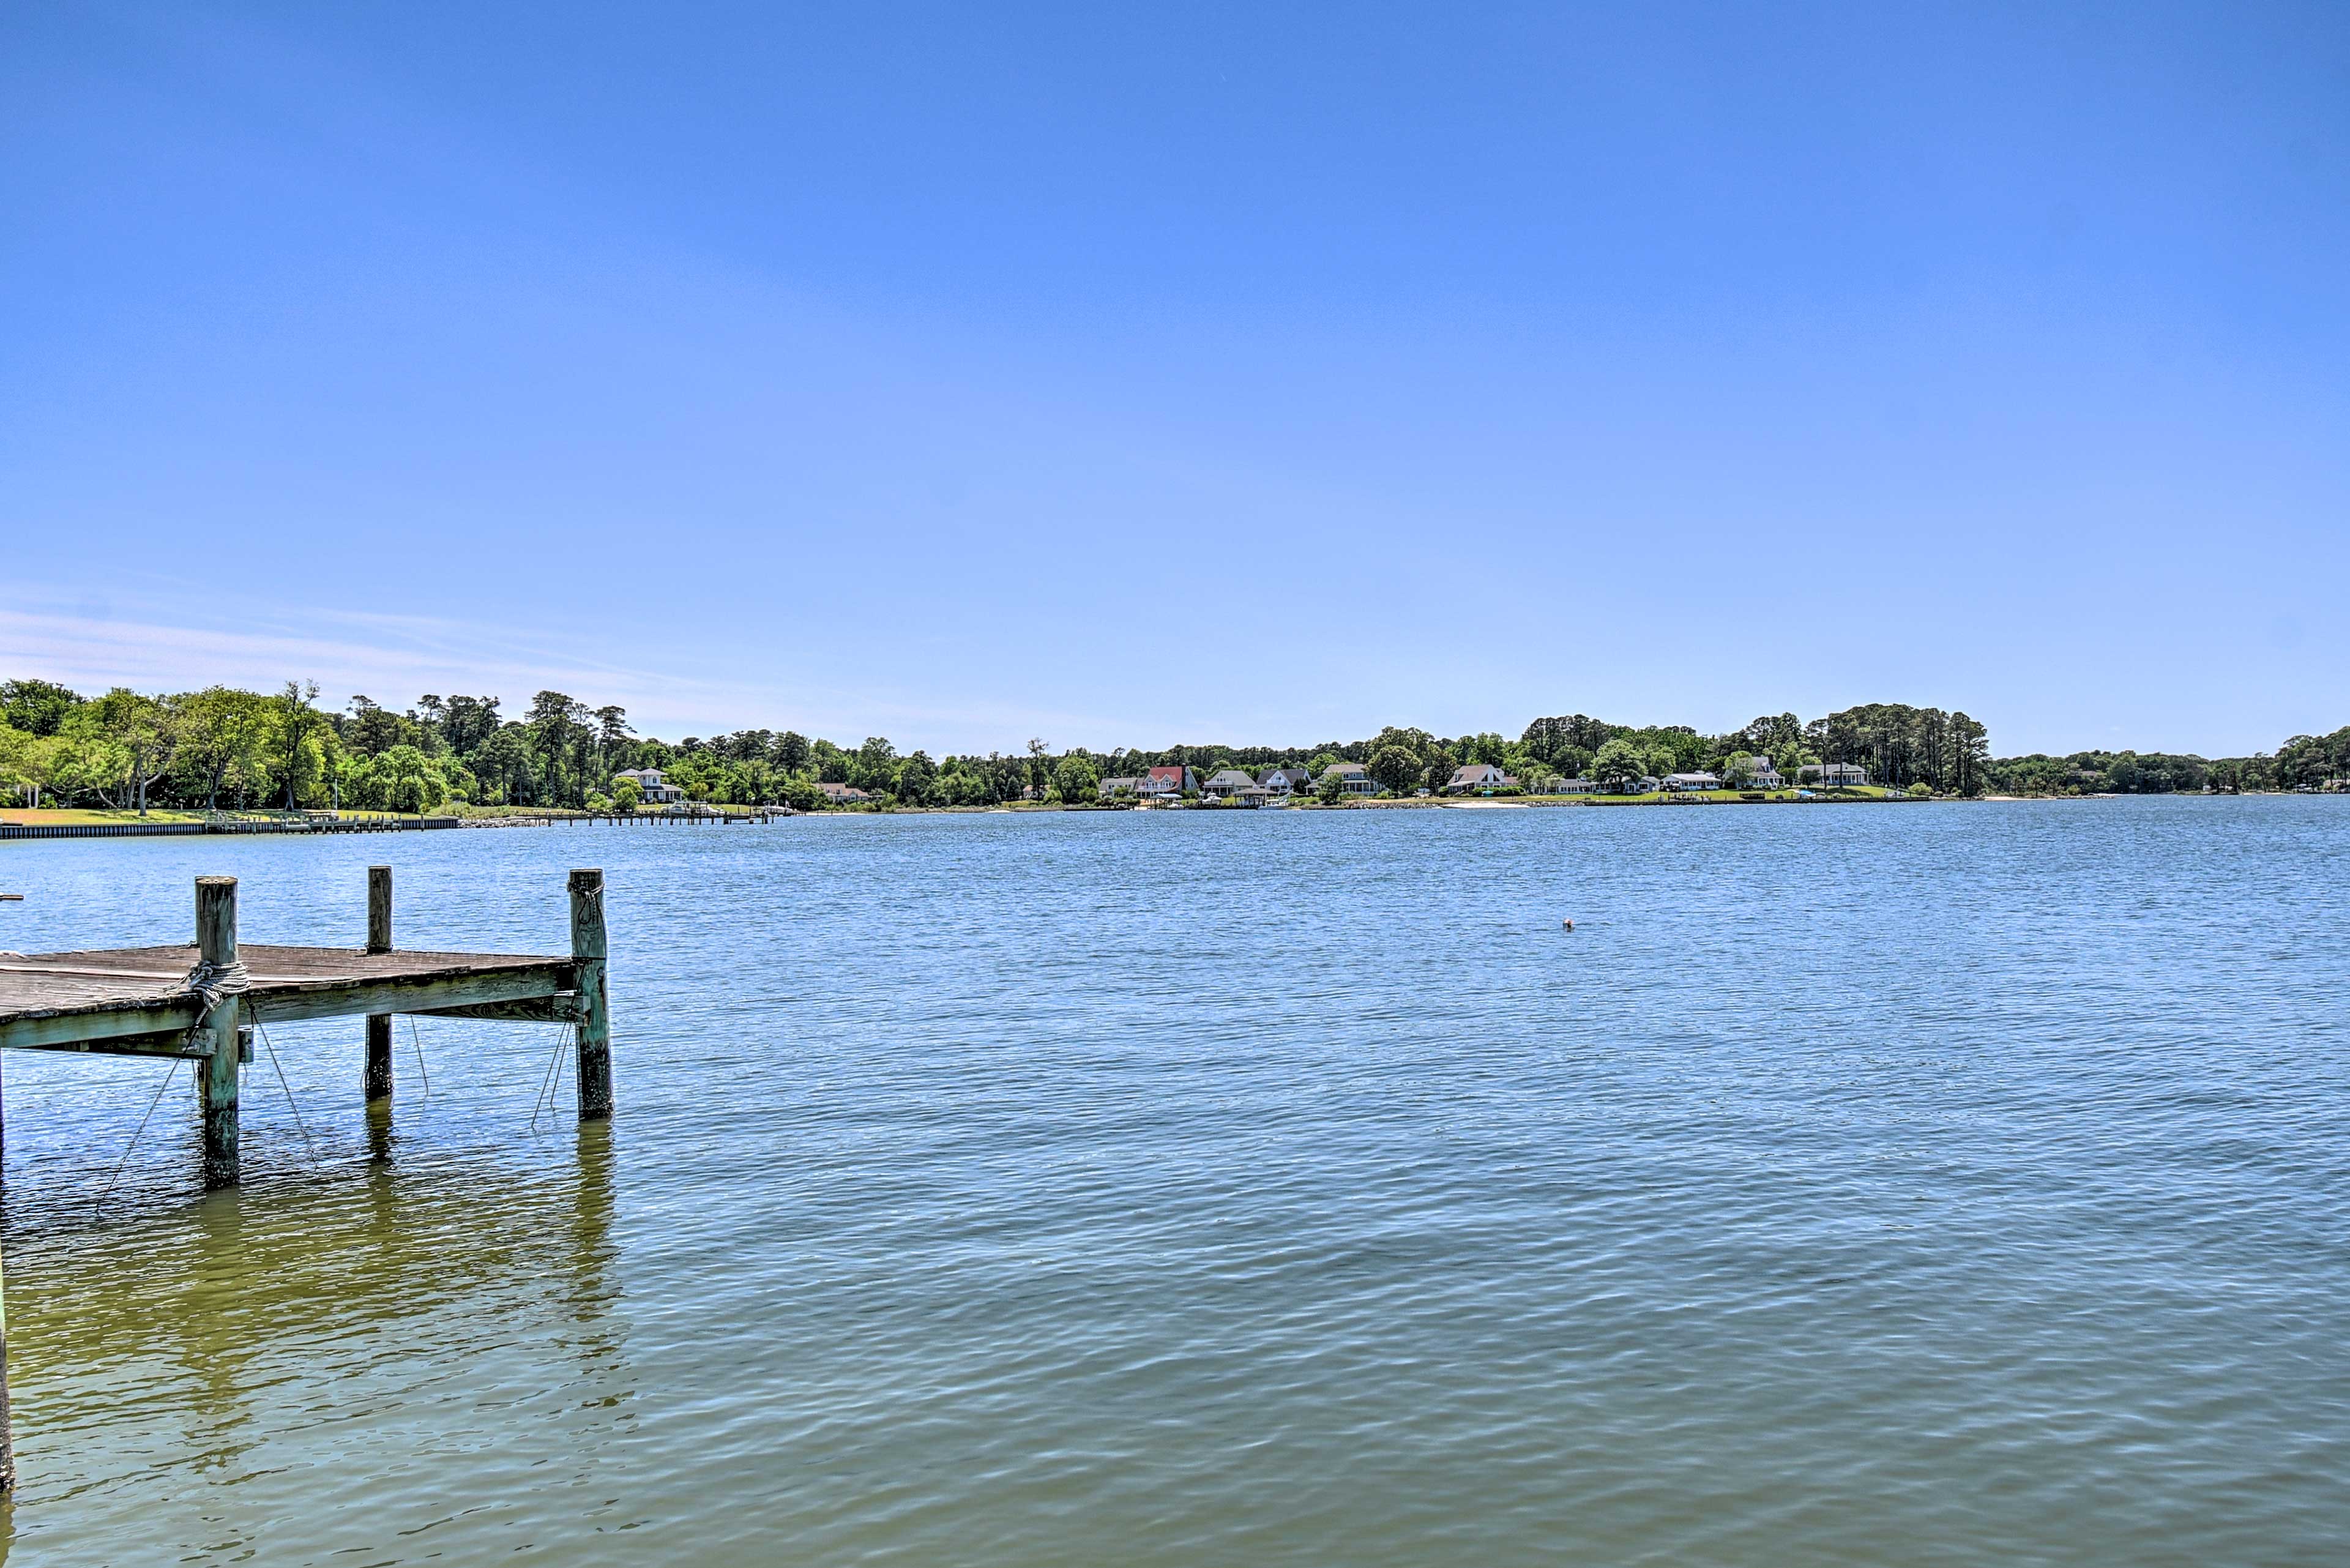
<point>1849,1187</point>
<point>299,1364</point>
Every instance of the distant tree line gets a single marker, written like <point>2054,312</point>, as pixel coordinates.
<point>225,748</point>
<point>2303,763</point>
<point>1898,744</point>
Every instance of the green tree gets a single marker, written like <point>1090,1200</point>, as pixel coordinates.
<point>1077,779</point>
<point>506,767</point>
<point>293,731</point>
<point>1618,766</point>
<point>371,731</point>
<point>558,730</point>
<point>1329,788</point>
<point>224,737</point>
<point>1969,755</point>
<point>25,761</point>
<point>1040,768</point>
<point>38,708</point>
<point>409,781</point>
<point>1488,748</point>
<point>916,776</point>
<point>874,766</point>
<point>1395,769</point>
<point>626,794</point>
<point>350,778</point>
<point>1441,765</point>
<point>466,723</point>
<point>87,762</point>
<point>695,772</point>
<point>146,729</point>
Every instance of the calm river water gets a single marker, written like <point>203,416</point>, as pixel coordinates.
<point>1943,1183</point>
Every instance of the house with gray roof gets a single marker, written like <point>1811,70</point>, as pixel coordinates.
<point>1480,777</point>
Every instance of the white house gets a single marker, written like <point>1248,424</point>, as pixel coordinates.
<point>1762,775</point>
<point>843,795</point>
<point>1227,782</point>
<point>1570,787</point>
<point>653,788</point>
<point>1120,785</point>
<point>1679,782</point>
<point>1834,776</point>
<point>1168,782</point>
<point>1353,778</point>
<point>1478,776</point>
<point>1286,781</point>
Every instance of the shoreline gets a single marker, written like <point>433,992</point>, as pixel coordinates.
<point>15,828</point>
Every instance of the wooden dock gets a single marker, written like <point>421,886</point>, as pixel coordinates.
<point>200,1001</point>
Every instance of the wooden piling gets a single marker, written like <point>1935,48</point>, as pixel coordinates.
<point>8,1421</point>
<point>7,1428</point>
<point>587,948</point>
<point>216,946</point>
<point>4,898</point>
<point>377,1078</point>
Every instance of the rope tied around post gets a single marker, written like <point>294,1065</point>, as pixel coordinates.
<point>213,982</point>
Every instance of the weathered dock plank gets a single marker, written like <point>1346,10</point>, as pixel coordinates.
<point>47,998</point>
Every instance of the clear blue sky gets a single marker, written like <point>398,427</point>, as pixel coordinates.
<point>1124,375</point>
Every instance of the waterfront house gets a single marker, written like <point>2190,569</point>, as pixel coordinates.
<point>1110,787</point>
<point>1353,778</point>
<point>1484,777</point>
<point>653,786</point>
<point>1677,783</point>
<point>843,795</point>
<point>1168,782</point>
<point>1286,781</point>
<point>1649,785</point>
<point>1834,776</point>
<point>1569,787</point>
<point>1762,775</point>
<point>1227,782</point>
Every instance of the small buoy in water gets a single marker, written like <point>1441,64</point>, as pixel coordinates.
<point>1568,924</point>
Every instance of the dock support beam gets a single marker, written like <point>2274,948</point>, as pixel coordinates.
<point>378,1077</point>
<point>587,947</point>
<point>216,946</point>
